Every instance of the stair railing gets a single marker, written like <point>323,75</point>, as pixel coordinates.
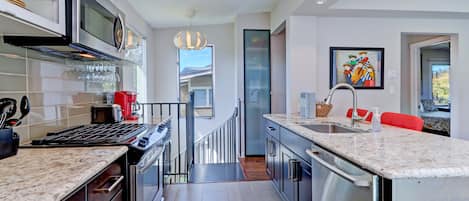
<point>220,145</point>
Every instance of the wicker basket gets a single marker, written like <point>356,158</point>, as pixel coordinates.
<point>322,110</point>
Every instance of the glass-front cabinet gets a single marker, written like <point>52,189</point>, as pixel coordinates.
<point>32,17</point>
<point>256,88</point>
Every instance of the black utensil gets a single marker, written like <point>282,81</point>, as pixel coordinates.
<point>8,105</point>
<point>25,107</point>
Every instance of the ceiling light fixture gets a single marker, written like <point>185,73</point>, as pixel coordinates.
<point>321,2</point>
<point>190,40</point>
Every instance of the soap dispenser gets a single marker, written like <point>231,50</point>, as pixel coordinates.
<point>376,120</point>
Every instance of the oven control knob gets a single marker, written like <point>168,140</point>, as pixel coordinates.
<point>161,128</point>
<point>143,142</point>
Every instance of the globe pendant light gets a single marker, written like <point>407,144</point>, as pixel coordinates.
<point>190,40</point>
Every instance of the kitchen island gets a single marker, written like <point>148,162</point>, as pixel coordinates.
<point>411,165</point>
<point>51,174</point>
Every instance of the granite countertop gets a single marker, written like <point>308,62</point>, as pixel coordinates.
<point>50,174</point>
<point>393,153</point>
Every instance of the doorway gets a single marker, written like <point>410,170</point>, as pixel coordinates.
<point>430,70</point>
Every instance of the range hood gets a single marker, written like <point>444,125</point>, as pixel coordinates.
<point>95,30</point>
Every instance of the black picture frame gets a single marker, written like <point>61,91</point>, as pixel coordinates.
<point>377,69</point>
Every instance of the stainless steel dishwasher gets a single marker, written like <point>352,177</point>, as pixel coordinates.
<point>335,179</point>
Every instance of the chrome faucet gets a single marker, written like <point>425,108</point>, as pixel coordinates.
<point>355,118</point>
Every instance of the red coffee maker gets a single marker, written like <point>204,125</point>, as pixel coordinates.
<point>127,100</point>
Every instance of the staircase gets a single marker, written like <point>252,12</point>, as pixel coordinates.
<point>219,146</point>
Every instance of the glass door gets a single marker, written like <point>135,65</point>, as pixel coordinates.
<point>256,88</point>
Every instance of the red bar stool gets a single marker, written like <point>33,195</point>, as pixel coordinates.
<point>402,120</point>
<point>361,113</point>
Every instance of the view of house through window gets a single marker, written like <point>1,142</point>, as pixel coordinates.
<point>440,84</point>
<point>196,75</point>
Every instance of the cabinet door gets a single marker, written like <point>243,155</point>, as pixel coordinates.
<point>256,87</point>
<point>287,183</point>
<point>268,155</point>
<point>38,18</point>
<point>276,175</point>
<point>304,182</point>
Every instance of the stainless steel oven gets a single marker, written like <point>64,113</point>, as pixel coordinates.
<point>146,177</point>
<point>336,179</point>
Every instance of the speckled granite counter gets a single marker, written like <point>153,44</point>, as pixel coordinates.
<point>49,174</point>
<point>393,153</point>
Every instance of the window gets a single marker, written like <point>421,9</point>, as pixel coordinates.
<point>203,97</point>
<point>196,75</point>
<point>440,84</point>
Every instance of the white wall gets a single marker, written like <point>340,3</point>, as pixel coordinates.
<point>139,25</point>
<point>246,21</point>
<point>166,69</point>
<point>282,11</point>
<point>278,73</point>
<point>301,62</point>
<point>379,32</point>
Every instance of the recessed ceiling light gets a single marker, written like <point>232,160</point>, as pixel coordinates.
<point>320,2</point>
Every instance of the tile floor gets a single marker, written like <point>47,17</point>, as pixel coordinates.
<point>230,191</point>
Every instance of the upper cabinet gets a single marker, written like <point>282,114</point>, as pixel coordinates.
<point>32,17</point>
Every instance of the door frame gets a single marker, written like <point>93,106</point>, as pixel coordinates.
<point>244,85</point>
<point>415,68</point>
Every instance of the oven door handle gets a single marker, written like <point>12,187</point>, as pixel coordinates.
<point>357,181</point>
<point>142,167</point>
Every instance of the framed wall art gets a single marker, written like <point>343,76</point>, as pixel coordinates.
<point>363,68</point>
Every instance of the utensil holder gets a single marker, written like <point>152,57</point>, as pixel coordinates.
<point>9,142</point>
<point>322,110</point>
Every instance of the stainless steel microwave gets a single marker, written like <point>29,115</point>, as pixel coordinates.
<point>95,29</point>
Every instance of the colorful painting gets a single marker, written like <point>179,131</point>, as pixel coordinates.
<point>363,68</point>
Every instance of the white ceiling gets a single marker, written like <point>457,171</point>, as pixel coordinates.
<point>387,8</point>
<point>174,13</point>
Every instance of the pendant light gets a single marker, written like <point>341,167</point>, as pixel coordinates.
<point>189,39</point>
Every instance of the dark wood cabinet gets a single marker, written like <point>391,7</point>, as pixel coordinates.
<point>108,185</point>
<point>80,195</point>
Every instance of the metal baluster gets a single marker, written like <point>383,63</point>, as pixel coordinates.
<point>218,146</point>
<point>223,144</point>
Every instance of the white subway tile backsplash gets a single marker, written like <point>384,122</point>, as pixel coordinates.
<point>12,65</point>
<point>9,83</point>
<point>58,97</point>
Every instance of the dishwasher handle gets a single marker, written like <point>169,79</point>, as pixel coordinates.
<point>357,181</point>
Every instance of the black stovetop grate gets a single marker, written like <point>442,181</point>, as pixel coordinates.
<point>93,134</point>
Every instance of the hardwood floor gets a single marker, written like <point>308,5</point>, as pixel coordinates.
<point>253,168</point>
<point>233,191</point>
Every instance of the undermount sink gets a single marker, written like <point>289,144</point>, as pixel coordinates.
<point>332,128</point>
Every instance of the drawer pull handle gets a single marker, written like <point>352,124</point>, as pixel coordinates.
<point>116,179</point>
<point>271,128</point>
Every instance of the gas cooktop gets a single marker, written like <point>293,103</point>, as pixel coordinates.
<point>94,134</point>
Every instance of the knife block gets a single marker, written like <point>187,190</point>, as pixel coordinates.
<point>9,142</point>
